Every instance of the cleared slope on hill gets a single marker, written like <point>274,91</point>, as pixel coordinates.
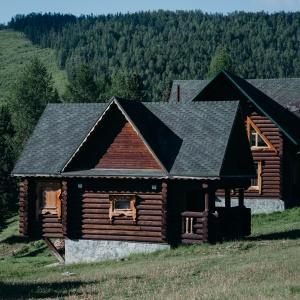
<point>264,266</point>
<point>15,52</point>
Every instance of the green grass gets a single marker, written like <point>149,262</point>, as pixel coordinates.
<point>264,266</point>
<point>15,52</point>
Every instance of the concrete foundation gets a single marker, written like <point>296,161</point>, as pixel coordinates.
<point>78,251</point>
<point>258,206</point>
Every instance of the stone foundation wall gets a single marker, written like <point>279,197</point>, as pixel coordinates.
<point>258,206</point>
<point>77,251</point>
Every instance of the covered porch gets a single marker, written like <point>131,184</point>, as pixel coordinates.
<point>204,222</point>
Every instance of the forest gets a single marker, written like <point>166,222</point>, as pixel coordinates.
<point>162,46</point>
<point>137,56</point>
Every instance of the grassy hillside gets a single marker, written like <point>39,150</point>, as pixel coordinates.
<point>15,52</point>
<point>264,266</point>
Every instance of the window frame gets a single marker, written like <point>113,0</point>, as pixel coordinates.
<point>269,146</point>
<point>41,206</point>
<point>257,187</point>
<point>117,212</point>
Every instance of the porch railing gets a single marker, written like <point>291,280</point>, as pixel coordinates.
<point>194,227</point>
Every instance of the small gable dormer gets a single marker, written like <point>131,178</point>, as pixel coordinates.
<point>114,143</point>
<point>257,140</point>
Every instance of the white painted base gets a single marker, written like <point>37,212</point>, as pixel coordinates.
<point>78,251</point>
<point>258,206</point>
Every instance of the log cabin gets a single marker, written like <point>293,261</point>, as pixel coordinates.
<point>271,112</point>
<point>125,176</point>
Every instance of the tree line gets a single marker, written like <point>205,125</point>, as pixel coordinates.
<point>161,46</point>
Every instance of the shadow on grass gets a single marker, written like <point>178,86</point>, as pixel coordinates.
<point>290,235</point>
<point>15,239</point>
<point>41,289</point>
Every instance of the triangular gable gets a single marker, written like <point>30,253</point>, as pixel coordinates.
<point>234,87</point>
<point>256,138</point>
<point>234,164</point>
<point>114,143</point>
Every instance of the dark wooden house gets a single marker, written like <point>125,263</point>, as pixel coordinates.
<point>271,110</point>
<point>126,176</point>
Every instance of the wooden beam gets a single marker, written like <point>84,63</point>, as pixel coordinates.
<point>64,197</point>
<point>206,196</point>
<point>227,198</point>
<point>53,250</point>
<point>241,197</point>
<point>164,191</point>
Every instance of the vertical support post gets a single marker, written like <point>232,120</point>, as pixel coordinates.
<point>241,197</point>
<point>206,196</point>
<point>164,191</point>
<point>23,207</point>
<point>206,191</point>
<point>227,198</point>
<point>64,197</point>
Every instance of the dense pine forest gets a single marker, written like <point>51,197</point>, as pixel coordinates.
<point>135,56</point>
<point>162,46</point>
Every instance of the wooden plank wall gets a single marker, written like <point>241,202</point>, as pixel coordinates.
<point>127,151</point>
<point>271,161</point>
<point>94,222</point>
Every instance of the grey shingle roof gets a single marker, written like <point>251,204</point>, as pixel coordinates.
<point>190,139</point>
<point>60,130</point>
<point>285,91</point>
<point>199,133</point>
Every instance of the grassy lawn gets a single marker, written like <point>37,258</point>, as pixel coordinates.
<point>264,266</point>
<point>15,52</point>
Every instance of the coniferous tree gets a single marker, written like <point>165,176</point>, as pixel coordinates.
<point>7,184</point>
<point>128,85</point>
<point>220,61</point>
<point>33,90</point>
<point>82,86</point>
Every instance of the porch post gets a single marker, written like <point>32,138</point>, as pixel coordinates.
<point>241,197</point>
<point>64,196</point>
<point>227,198</point>
<point>206,196</point>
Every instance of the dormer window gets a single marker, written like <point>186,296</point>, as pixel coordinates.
<point>256,138</point>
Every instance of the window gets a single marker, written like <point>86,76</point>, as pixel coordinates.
<point>122,205</point>
<point>256,183</point>
<point>256,138</point>
<point>49,199</point>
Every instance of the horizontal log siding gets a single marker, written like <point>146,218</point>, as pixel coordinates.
<point>92,222</point>
<point>271,161</point>
<point>23,207</point>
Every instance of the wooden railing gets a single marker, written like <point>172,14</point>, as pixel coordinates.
<point>194,227</point>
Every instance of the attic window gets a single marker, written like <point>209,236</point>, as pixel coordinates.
<point>256,138</point>
<point>122,205</point>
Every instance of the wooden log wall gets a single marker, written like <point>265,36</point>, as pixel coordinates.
<point>49,226</point>
<point>197,232</point>
<point>43,225</point>
<point>271,160</point>
<point>23,207</point>
<point>94,223</point>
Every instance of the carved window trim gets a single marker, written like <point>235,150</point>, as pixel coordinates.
<point>258,186</point>
<point>42,207</point>
<point>116,212</point>
<point>269,146</point>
